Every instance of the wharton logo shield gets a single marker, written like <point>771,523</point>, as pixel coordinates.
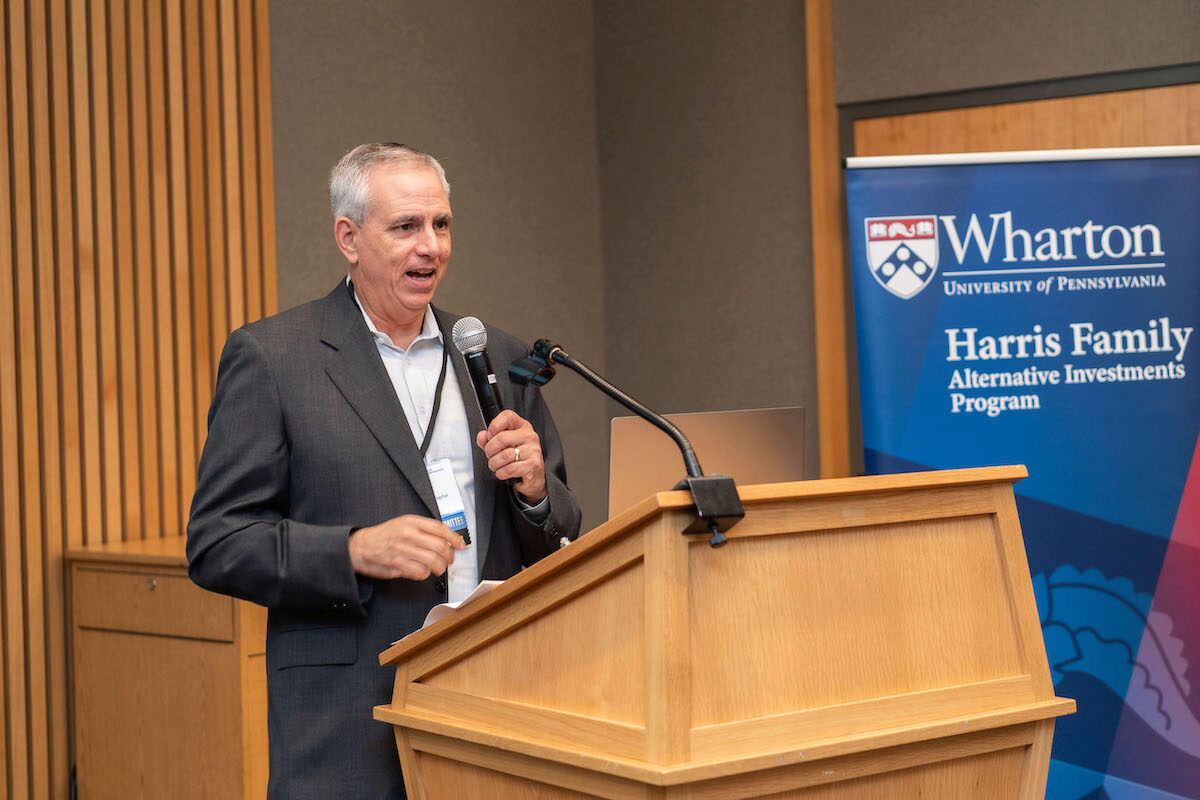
<point>902,252</point>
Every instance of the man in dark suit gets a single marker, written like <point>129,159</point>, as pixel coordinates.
<point>329,426</point>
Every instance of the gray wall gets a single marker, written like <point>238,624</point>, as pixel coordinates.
<point>631,177</point>
<point>502,92</point>
<point>699,297</point>
<point>704,180</point>
<point>901,48</point>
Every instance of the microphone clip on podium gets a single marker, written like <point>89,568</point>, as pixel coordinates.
<point>717,503</point>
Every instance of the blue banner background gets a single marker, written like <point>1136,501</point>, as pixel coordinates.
<point>1107,461</point>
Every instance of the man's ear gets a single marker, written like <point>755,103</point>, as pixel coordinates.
<point>345,233</point>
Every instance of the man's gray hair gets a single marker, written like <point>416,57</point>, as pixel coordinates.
<point>348,195</point>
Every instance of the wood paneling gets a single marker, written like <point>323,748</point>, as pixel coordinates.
<point>1159,116</point>
<point>136,228</point>
<point>827,198</point>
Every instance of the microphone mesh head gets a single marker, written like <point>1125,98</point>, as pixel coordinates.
<point>469,335</point>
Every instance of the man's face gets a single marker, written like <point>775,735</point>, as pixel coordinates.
<point>399,254</point>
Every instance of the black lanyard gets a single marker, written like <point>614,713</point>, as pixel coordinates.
<point>437,394</point>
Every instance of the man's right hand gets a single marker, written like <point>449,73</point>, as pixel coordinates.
<point>410,547</point>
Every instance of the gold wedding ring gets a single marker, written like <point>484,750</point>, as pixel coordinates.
<point>517,450</point>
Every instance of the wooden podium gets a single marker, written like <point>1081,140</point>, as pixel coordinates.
<point>872,638</point>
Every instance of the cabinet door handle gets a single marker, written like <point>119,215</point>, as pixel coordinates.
<point>152,584</point>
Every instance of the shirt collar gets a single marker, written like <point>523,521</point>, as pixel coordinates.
<point>429,327</point>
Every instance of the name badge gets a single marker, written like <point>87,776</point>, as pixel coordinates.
<point>449,499</point>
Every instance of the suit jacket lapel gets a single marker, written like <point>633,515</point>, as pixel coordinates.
<point>356,369</point>
<point>485,486</point>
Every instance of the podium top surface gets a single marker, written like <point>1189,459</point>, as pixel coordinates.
<point>679,500</point>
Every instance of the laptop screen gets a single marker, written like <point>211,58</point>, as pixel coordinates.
<point>760,445</point>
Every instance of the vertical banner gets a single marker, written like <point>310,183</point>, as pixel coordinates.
<point>1041,308</point>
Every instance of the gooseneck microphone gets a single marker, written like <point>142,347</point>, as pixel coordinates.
<point>470,337</point>
<point>718,505</point>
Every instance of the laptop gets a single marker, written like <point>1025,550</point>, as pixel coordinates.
<point>759,445</point>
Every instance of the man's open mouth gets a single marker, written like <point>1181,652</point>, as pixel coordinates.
<point>420,274</point>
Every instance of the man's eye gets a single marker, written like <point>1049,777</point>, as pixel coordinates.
<point>442,224</point>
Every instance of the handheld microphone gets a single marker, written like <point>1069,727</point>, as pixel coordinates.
<point>470,338</point>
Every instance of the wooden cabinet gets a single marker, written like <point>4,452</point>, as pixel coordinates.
<point>170,695</point>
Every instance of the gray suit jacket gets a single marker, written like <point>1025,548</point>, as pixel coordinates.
<point>307,442</point>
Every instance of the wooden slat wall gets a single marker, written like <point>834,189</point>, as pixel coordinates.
<point>136,230</point>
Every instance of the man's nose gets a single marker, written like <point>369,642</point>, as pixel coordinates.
<point>427,240</point>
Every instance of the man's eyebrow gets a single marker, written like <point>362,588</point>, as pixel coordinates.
<point>402,219</point>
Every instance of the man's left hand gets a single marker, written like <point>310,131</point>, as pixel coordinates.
<point>514,450</point>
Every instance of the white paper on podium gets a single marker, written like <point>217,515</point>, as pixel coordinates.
<point>443,609</point>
